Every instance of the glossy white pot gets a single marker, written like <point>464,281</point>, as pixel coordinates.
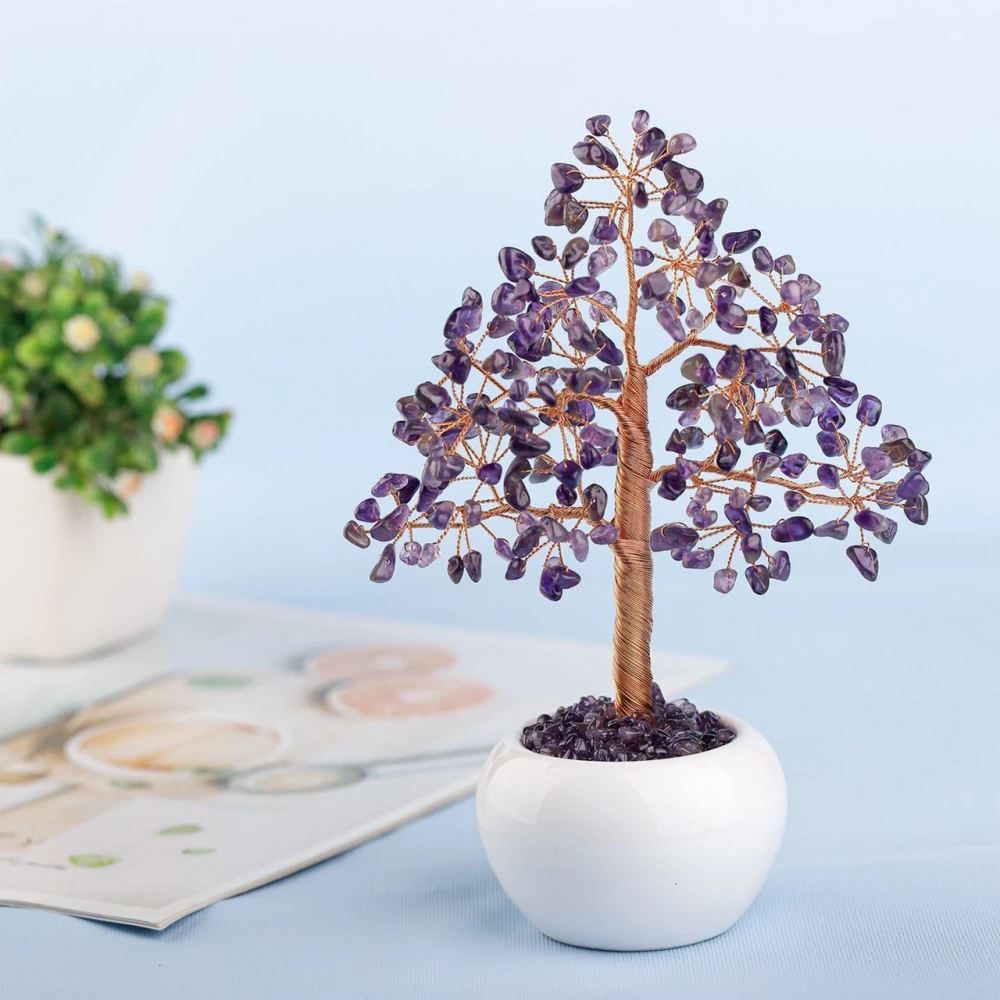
<point>73,582</point>
<point>632,856</point>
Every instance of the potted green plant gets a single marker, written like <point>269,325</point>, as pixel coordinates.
<point>99,441</point>
<point>680,811</point>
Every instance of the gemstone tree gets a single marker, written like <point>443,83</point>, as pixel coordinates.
<point>553,387</point>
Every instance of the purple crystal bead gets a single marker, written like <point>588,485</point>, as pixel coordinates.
<point>680,143</point>
<point>595,498</point>
<point>724,580</point>
<point>779,566</point>
<point>387,528</point>
<point>598,125</point>
<point>473,562</point>
<point>600,260</point>
<point>869,410</point>
<point>727,457</point>
<point>800,411</point>
<point>714,212</point>
<point>912,485</point>
<point>543,245</point>
<point>865,559</point>
<point>663,231</point>
<point>741,241</point>
<point>367,510</point>
<point>792,529</point>
<point>672,485</point>
<point>566,178</point>
<point>516,264</point>
<point>357,535</point>
<point>428,553</point>
<point>776,442</point>
<point>834,352</point>
<point>752,546</point>
<point>871,520</point>
<point>762,260</point>
<point>604,231</point>
<point>604,534</point>
<point>768,415</point>
<point>456,569</point>
<point>759,579</point>
<point>385,566</point>
<point>916,510</point>
<point>441,514</point>
<point>554,530</point>
<point>764,463</point>
<point>698,558</point>
<point>832,529</point>
<point>829,476</point>
<point>515,569</point>
<point>793,499</point>
<point>876,462</point>
<point>842,390</point>
<point>674,535</point>
<point>584,285</point>
<point>794,465</point>
<point>593,154</point>
<point>490,473</point>
<point>738,518</point>
<point>548,586</point>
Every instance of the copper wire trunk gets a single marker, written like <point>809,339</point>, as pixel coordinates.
<point>633,559</point>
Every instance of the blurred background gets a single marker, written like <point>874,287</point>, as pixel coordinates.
<point>313,185</point>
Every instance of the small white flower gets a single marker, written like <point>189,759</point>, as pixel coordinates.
<point>33,285</point>
<point>140,282</point>
<point>144,362</point>
<point>6,401</point>
<point>167,424</point>
<point>81,333</point>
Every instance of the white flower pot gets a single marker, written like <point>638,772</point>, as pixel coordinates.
<point>632,856</point>
<point>74,582</point>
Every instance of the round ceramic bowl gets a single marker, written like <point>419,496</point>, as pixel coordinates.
<point>633,856</point>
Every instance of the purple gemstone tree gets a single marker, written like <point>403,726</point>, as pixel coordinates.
<point>553,387</point>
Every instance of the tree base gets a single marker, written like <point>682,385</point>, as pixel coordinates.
<point>592,729</point>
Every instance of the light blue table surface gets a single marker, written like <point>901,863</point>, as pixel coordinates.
<point>888,884</point>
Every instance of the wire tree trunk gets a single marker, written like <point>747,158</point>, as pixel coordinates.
<point>633,586</point>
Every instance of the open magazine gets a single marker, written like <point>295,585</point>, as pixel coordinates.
<point>249,742</point>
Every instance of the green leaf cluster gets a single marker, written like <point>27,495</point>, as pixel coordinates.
<point>88,394</point>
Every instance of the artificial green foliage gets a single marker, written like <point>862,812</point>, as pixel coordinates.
<point>87,393</point>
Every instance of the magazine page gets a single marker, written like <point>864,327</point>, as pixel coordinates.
<point>215,778</point>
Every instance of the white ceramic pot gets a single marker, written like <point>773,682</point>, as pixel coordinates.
<point>73,582</point>
<point>632,856</point>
